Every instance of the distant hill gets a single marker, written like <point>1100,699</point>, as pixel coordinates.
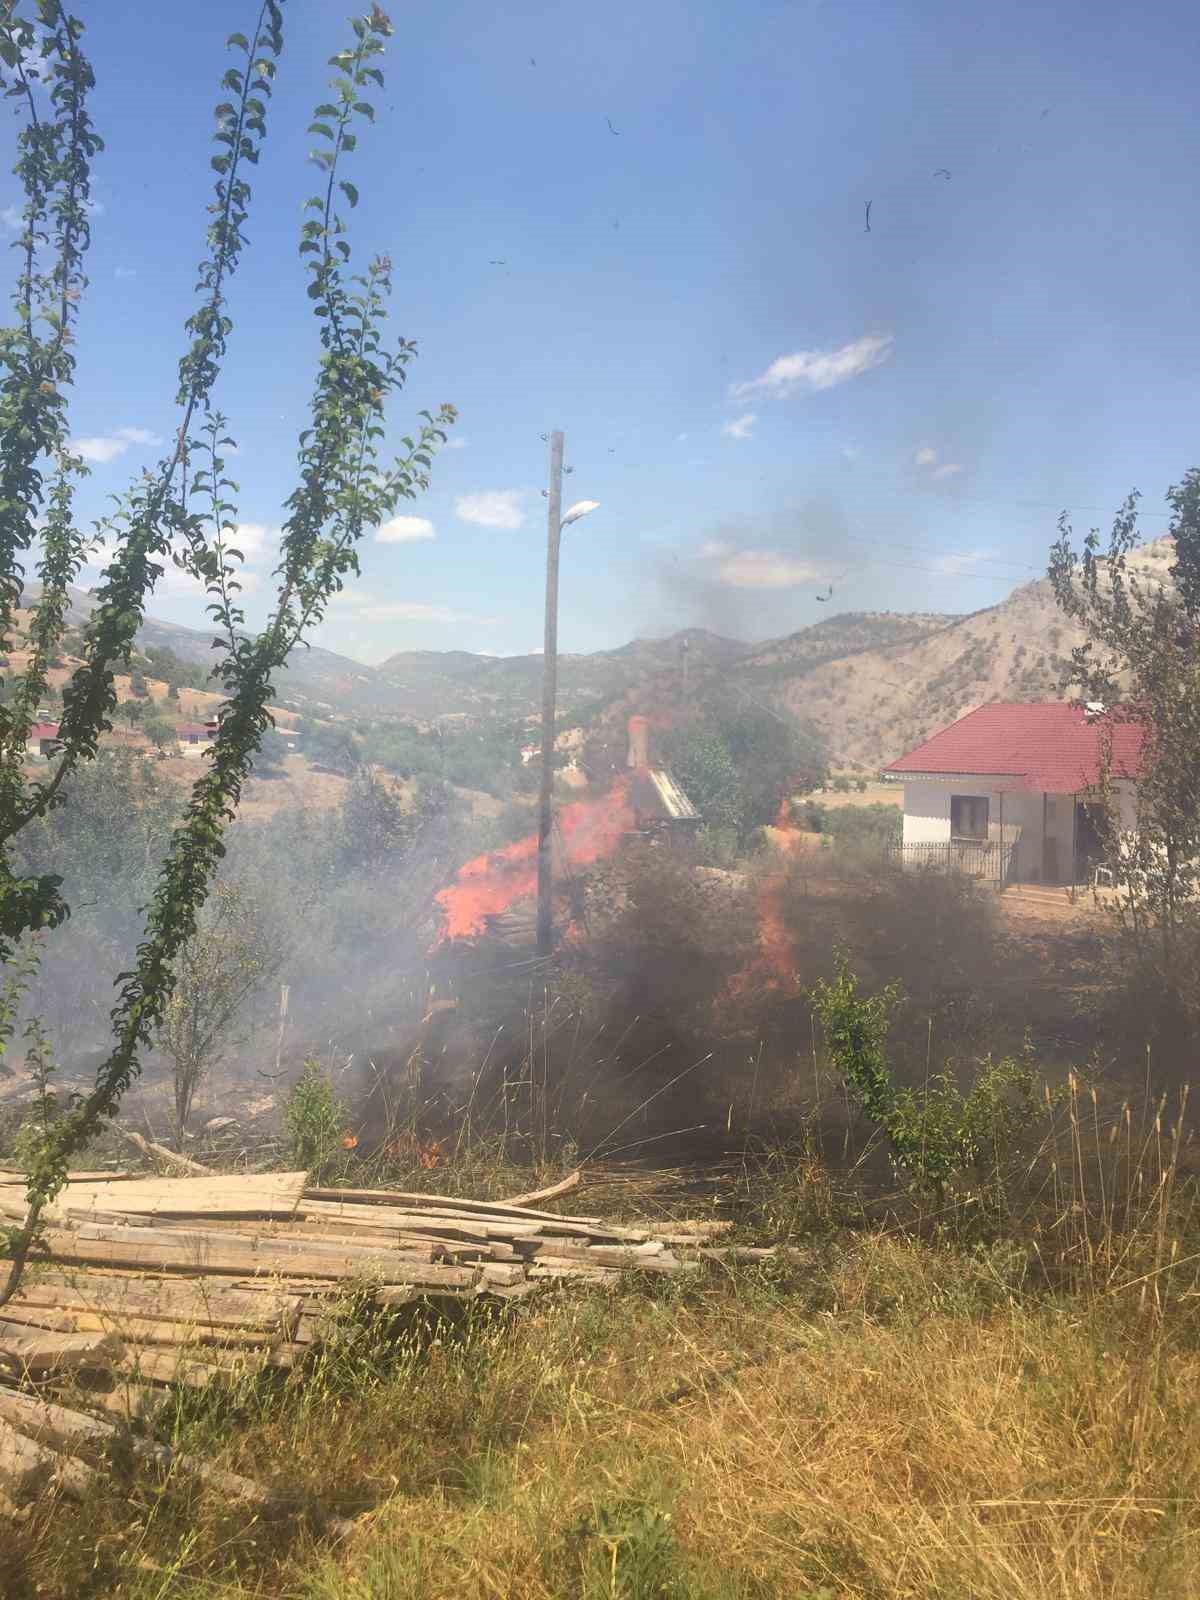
<point>872,683</point>
<point>872,704</point>
<point>314,679</point>
<point>429,683</point>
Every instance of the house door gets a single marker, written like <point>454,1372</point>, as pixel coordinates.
<point>1051,838</point>
<point>1089,841</point>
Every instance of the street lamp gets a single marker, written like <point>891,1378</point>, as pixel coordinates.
<point>556,523</point>
<point>579,509</point>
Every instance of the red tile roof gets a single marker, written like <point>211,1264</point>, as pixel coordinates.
<point>1055,748</point>
<point>44,730</point>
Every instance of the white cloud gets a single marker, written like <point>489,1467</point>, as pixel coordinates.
<point>818,369</point>
<point>456,444</point>
<point>125,272</point>
<point>926,456</point>
<point>99,555</point>
<point>493,508</point>
<point>107,447</point>
<point>740,427</point>
<point>400,530</point>
<point>960,561</point>
<point>252,539</point>
<point>850,452</point>
<point>680,437</point>
<point>766,569</point>
<point>714,549</point>
<point>95,208</point>
<point>98,449</point>
<point>417,611</point>
<point>12,219</point>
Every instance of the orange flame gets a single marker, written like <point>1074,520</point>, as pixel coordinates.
<point>407,1147</point>
<point>491,883</point>
<point>773,966</point>
<point>777,948</point>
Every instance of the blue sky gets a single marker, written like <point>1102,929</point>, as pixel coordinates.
<point>764,397</point>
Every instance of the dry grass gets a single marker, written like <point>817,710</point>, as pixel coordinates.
<point>882,1416</point>
<point>993,1398</point>
<point>940,1454</point>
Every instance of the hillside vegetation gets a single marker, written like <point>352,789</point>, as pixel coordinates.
<point>871,684</point>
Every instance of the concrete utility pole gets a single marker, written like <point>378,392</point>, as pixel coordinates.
<point>545,912</point>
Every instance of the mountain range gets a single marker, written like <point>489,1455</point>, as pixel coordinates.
<point>872,683</point>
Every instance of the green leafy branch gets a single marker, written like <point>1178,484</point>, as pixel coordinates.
<point>154,509</point>
<point>343,489</point>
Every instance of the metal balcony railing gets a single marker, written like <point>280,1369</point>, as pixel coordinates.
<point>978,858</point>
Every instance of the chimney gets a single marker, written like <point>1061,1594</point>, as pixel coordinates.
<point>639,742</point>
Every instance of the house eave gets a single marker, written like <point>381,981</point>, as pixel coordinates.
<point>1002,782</point>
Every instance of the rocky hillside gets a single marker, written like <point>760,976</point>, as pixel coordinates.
<point>873,704</point>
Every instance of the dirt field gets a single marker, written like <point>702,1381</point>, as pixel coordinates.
<point>299,786</point>
<point>875,794</point>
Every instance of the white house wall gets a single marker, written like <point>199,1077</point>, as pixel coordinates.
<point>1027,819</point>
<point>926,813</point>
<point>927,818</point>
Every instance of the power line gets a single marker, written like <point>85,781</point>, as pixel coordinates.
<point>938,572</point>
<point>946,555</point>
<point>1047,505</point>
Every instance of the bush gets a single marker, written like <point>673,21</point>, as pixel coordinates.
<point>813,816</point>
<point>935,1132</point>
<point>272,751</point>
<point>315,1119</point>
<point>873,825</point>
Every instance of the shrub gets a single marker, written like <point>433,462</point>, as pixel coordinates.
<point>935,1131</point>
<point>873,825</point>
<point>314,1117</point>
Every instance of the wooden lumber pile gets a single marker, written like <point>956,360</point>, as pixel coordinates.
<point>146,1282</point>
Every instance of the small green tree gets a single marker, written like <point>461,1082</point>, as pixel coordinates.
<point>703,765</point>
<point>226,963</point>
<point>272,752</point>
<point>1141,659</point>
<point>160,731</point>
<point>332,745</point>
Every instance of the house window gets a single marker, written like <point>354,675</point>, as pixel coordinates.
<point>968,816</point>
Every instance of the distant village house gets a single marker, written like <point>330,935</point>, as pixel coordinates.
<point>41,739</point>
<point>1009,791</point>
<point>195,737</point>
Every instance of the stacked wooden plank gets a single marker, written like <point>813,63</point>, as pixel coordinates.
<point>144,1282</point>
